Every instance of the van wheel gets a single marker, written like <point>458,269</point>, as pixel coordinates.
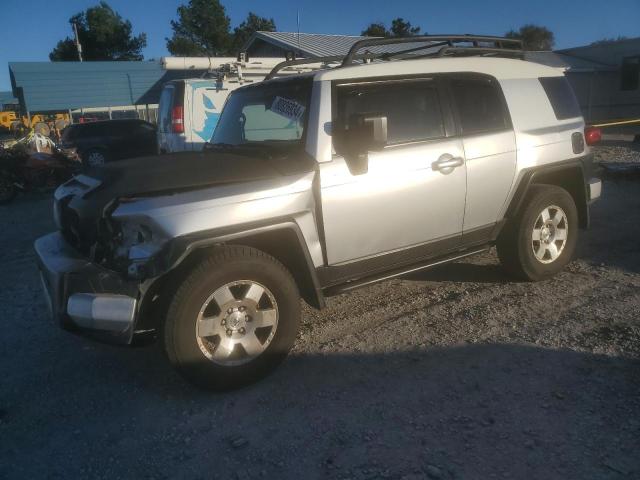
<point>233,320</point>
<point>541,240</point>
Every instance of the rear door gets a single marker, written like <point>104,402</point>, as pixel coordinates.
<point>407,198</point>
<point>206,98</point>
<point>490,150</point>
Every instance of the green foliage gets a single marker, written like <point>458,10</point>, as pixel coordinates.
<point>376,30</point>
<point>607,41</point>
<point>203,29</point>
<point>103,34</point>
<point>534,37</point>
<point>399,28</point>
<point>252,24</point>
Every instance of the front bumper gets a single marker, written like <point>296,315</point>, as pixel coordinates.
<point>85,295</point>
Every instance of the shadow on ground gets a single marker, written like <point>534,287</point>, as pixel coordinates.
<point>471,411</point>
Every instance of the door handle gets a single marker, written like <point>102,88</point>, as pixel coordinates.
<point>447,162</point>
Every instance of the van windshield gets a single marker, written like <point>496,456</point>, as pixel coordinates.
<point>271,112</point>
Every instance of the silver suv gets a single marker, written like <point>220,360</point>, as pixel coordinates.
<point>316,184</point>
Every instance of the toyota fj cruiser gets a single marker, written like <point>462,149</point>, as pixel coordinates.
<point>319,183</point>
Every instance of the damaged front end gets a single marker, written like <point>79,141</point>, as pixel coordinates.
<point>95,271</point>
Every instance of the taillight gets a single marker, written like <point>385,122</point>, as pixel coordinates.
<point>177,119</point>
<point>592,135</point>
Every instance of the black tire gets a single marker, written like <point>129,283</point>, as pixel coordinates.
<point>226,265</point>
<point>516,247</point>
<point>91,157</point>
<point>7,189</point>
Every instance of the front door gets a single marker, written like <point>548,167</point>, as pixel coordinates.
<point>413,193</point>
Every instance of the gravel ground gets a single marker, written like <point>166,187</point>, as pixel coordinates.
<point>452,373</point>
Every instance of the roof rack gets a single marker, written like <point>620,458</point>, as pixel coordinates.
<point>440,46</point>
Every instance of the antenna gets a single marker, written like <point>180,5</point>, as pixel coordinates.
<point>78,46</point>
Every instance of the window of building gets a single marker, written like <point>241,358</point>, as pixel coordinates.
<point>630,73</point>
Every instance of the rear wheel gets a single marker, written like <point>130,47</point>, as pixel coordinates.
<point>233,320</point>
<point>541,239</point>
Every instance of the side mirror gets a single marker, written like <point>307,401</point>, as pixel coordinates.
<point>362,134</point>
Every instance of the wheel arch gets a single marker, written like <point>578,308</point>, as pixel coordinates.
<point>567,175</point>
<point>283,241</point>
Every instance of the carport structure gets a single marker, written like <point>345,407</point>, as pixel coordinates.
<point>117,89</point>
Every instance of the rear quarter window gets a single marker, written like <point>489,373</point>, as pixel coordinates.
<point>480,104</point>
<point>561,96</point>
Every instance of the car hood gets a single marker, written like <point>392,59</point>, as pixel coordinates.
<point>86,197</point>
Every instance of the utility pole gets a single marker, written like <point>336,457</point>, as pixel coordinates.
<point>78,46</point>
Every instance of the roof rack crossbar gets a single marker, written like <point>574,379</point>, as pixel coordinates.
<point>499,42</point>
<point>305,61</point>
<point>503,52</point>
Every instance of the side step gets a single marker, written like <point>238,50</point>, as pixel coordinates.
<point>389,274</point>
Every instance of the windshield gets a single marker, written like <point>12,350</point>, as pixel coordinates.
<point>265,113</point>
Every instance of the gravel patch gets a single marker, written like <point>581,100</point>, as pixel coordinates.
<point>453,373</point>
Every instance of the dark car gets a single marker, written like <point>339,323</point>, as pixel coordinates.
<point>96,143</point>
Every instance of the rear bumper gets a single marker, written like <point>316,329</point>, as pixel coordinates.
<point>82,294</point>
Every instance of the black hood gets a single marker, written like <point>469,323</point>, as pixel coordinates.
<point>172,173</point>
<point>191,170</point>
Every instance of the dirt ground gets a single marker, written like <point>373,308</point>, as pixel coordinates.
<point>456,373</point>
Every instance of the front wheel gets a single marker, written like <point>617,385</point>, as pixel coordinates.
<point>540,241</point>
<point>233,320</point>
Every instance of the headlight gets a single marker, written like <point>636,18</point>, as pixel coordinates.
<point>134,245</point>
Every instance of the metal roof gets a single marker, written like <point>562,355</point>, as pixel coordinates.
<point>44,86</point>
<point>320,45</point>
<point>564,61</point>
<point>7,98</point>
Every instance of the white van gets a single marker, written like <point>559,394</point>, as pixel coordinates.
<point>188,113</point>
<point>189,109</point>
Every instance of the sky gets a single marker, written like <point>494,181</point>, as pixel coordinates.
<point>32,28</point>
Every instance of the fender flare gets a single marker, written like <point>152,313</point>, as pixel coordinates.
<point>537,175</point>
<point>179,249</point>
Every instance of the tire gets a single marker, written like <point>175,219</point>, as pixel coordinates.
<point>529,259</point>
<point>207,352</point>
<point>7,189</point>
<point>95,157</point>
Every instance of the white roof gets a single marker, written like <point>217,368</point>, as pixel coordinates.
<point>500,68</point>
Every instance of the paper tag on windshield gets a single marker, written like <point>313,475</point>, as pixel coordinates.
<point>287,108</point>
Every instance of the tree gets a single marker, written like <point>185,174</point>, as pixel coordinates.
<point>606,41</point>
<point>103,34</point>
<point>399,28</point>
<point>202,28</point>
<point>376,30</point>
<point>534,37</point>
<point>252,24</point>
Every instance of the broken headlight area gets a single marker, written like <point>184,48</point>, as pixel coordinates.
<point>130,247</point>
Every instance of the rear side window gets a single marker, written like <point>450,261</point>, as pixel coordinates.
<point>560,94</point>
<point>412,108</point>
<point>480,103</point>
